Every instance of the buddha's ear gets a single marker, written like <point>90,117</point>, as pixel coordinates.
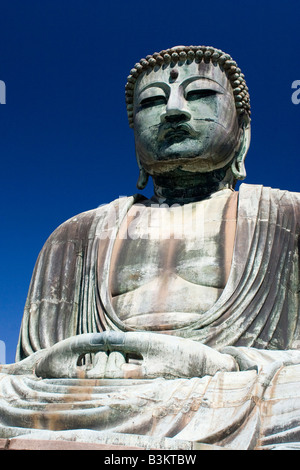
<point>238,163</point>
<point>143,175</point>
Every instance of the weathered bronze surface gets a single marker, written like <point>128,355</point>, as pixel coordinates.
<point>168,322</point>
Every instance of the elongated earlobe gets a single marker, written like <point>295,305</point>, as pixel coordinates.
<point>238,164</point>
<point>143,175</point>
<point>238,169</point>
<point>143,179</point>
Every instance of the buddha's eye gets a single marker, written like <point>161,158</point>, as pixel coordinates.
<point>199,94</point>
<point>153,101</point>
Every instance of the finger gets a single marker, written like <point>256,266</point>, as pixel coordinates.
<point>123,342</point>
<point>89,342</point>
<point>150,345</point>
<point>103,341</point>
<point>129,342</point>
<point>99,362</point>
<point>114,365</point>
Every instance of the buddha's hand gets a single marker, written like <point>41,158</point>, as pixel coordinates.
<point>132,355</point>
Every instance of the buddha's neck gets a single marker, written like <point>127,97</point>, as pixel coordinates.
<point>184,187</point>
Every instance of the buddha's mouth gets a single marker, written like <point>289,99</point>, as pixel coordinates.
<point>176,133</point>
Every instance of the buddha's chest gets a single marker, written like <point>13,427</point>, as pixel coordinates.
<point>192,242</point>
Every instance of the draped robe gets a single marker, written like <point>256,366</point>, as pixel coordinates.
<point>256,319</point>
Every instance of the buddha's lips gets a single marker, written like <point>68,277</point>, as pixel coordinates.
<point>176,131</point>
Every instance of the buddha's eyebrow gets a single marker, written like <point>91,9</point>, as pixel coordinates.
<point>199,77</point>
<point>165,87</point>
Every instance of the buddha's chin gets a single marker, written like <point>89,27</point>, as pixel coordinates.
<point>191,164</point>
<point>187,149</point>
<point>196,160</point>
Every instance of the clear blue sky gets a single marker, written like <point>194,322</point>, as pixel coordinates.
<point>65,143</point>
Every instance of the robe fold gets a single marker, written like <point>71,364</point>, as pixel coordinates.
<point>256,316</point>
<point>259,307</point>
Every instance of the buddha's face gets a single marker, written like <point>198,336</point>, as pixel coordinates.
<point>185,117</point>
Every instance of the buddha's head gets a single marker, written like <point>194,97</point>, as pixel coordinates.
<point>190,111</point>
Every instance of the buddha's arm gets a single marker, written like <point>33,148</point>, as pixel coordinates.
<point>251,358</point>
<point>26,366</point>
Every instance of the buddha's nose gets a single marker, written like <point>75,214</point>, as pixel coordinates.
<point>175,110</point>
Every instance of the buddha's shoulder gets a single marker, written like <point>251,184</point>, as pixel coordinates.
<point>260,190</point>
<point>85,224</point>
